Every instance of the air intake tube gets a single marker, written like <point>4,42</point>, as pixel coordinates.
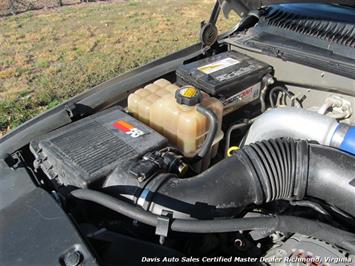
<point>305,125</point>
<point>278,169</point>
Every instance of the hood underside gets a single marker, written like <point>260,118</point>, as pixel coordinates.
<point>243,7</point>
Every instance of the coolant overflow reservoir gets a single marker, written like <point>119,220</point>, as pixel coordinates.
<point>171,111</point>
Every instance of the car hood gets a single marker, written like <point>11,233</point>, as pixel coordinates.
<point>243,7</point>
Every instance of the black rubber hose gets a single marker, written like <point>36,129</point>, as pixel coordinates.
<point>211,134</point>
<point>331,177</point>
<point>278,89</point>
<point>256,174</point>
<point>310,204</point>
<point>119,206</point>
<point>279,169</point>
<point>225,189</point>
<point>273,223</point>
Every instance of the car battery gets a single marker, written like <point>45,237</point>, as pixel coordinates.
<point>234,78</point>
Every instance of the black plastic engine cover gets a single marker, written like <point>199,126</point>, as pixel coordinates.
<point>86,151</point>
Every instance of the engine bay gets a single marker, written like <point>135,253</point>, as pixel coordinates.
<point>220,159</point>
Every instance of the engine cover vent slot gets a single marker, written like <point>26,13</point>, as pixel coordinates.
<point>342,33</point>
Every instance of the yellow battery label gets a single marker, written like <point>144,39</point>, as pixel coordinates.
<point>218,65</point>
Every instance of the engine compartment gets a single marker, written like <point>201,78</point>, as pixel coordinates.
<point>219,159</point>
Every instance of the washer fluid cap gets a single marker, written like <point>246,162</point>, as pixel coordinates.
<point>188,95</point>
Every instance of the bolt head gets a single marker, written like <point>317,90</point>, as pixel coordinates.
<point>72,258</point>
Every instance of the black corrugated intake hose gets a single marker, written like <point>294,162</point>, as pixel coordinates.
<point>288,224</point>
<point>281,166</point>
<point>262,172</point>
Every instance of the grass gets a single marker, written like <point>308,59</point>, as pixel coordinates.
<point>49,56</point>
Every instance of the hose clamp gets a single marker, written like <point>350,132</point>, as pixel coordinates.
<point>339,135</point>
<point>145,198</point>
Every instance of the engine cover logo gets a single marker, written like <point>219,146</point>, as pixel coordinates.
<point>128,129</point>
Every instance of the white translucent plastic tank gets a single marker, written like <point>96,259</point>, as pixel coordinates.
<point>183,125</point>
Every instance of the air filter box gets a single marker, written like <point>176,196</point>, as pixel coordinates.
<point>233,78</point>
<point>84,152</point>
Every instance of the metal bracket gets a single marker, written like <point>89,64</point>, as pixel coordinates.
<point>71,110</point>
<point>163,225</point>
<point>76,111</point>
